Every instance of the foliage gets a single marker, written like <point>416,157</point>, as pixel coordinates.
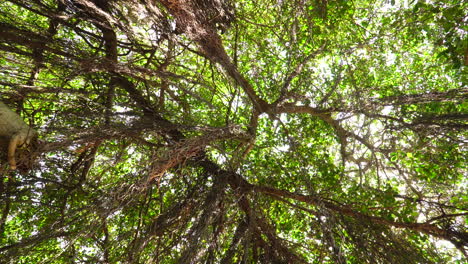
<point>237,132</point>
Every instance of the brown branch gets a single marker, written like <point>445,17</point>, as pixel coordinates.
<point>189,148</point>
<point>239,234</point>
<point>35,239</point>
<point>211,45</point>
<point>295,73</point>
<point>38,53</point>
<point>10,34</point>
<point>449,96</point>
<point>325,115</point>
<point>455,237</point>
<point>22,89</point>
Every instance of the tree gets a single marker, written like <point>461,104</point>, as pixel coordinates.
<point>207,131</point>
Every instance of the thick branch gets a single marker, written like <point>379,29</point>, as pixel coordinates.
<point>426,228</point>
<point>211,45</point>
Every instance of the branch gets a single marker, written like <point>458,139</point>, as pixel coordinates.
<point>211,45</point>
<point>325,115</point>
<point>296,72</point>
<point>456,237</point>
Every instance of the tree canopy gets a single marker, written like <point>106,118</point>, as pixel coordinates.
<point>248,131</point>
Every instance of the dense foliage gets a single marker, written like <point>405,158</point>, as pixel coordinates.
<point>250,131</point>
